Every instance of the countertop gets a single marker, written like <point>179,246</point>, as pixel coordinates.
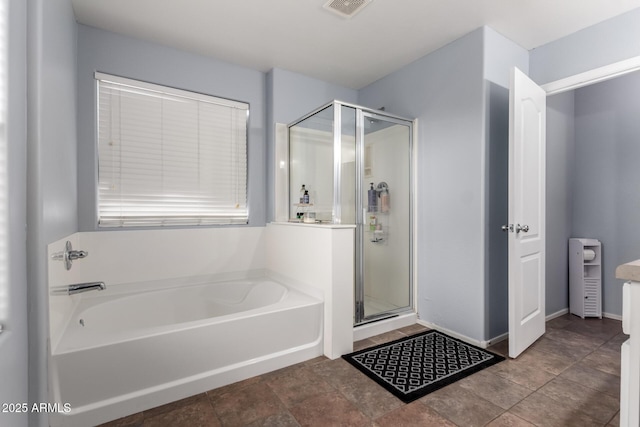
<point>629,271</point>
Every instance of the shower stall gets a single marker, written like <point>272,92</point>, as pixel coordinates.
<point>353,165</point>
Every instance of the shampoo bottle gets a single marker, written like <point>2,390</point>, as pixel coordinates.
<point>372,199</point>
<point>302,191</point>
<point>384,200</point>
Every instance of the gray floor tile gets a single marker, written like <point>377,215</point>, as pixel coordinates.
<point>594,379</point>
<point>593,403</point>
<point>462,406</point>
<point>546,412</point>
<point>495,389</point>
<point>569,377</point>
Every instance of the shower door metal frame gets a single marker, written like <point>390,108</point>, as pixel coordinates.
<point>361,114</point>
<point>360,317</point>
<point>337,163</point>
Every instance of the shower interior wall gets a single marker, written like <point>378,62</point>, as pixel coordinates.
<point>385,156</point>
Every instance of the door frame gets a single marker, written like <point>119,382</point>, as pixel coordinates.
<point>595,75</point>
<point>589,77</point>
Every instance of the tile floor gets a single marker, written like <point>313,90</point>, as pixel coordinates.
<point>569,377</point>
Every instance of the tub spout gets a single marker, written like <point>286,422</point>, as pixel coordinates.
<point>85,287</point>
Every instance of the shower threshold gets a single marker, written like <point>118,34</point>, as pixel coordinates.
<point>376,318</point>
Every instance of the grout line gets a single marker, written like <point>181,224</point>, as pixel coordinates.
<point>335,389</point>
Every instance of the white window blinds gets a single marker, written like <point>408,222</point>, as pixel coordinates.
<point>169,157</point>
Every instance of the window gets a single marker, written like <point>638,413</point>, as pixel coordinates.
<point>169,157</point>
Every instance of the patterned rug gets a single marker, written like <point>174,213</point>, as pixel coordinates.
<point>417,365</point>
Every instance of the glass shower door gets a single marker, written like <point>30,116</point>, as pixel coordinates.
<point>383,273</point>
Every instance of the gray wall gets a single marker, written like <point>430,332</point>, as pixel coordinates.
<point>500,55</point>
<point>459,94</point>
<point>606,200</point>
<point>497,211</point>
<point>52,164</point>
<point>294,95</point>
<point>610,41</point>
<point>560,170</point>
<point>289,97</point>
<point>107,52</point>
<point>13,310</point>
<point>445,91</point>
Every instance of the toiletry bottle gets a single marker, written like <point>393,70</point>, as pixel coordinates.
<point>384,200</point>
<point>372,223</point>
<point>305,197</point>
<point>302,191</point>
<point>373,199</point>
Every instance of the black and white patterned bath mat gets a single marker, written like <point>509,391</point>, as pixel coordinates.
<point>420,364</point>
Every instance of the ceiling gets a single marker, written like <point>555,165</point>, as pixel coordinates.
<point>302,36</point>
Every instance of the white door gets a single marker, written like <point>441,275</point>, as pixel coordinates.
<point>527,129</point>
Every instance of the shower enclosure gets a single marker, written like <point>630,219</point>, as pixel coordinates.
<point>352,165</point>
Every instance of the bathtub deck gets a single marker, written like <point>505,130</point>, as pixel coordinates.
<point>320,390</point>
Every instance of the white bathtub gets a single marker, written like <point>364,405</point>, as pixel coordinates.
<point>124,353</point>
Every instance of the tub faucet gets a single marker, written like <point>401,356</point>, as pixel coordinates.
<point>85,287</point>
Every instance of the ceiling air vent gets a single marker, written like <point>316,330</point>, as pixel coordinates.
<point>346,8</point>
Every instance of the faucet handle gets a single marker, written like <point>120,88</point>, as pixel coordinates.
<point>69,255</point>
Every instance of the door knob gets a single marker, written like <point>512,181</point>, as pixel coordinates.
<point>523,228</point>
<point>507,227</point>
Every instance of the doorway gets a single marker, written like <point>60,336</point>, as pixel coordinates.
<point>578,81</point>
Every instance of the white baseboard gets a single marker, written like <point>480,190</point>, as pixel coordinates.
<point>481,344</point>
<point>612,316</point>
<point>566,310</point>
<point>502,337</point>
<point>556,314</point>
<point>505,336</point>
<point>496,340</point>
